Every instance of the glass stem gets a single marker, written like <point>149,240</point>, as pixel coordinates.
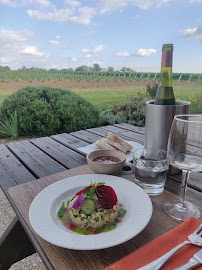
<point>185,177</point>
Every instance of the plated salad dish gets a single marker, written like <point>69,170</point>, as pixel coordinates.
<point>92,210</point>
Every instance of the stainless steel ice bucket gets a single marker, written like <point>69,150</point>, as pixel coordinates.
<point>158,121</point>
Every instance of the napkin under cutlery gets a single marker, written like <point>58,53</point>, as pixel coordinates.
<point>195,261</point>
<point>159,246</point>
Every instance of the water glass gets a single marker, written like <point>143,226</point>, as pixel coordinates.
<point>150,168</point>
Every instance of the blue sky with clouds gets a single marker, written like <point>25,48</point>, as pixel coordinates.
<point>118,33</point>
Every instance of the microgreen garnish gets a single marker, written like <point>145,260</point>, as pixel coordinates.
<point>61,210</point>
<point>90,190</point>
<point>98,184</point>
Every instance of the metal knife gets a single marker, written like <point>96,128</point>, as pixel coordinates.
<point>195,261</point>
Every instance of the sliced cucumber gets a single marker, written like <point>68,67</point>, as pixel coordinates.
<point>88,207</point>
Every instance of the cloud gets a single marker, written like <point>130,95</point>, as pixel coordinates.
<point>108,6</point>
<point>86,51</point>
<point>42,3</point>
<point>74,59</point>
<point>72,12</point>
<point>92,52</point>
<point>195,33</point>
<point>9,37</point>
<point>140,52</point>
<point>58,37</point>
<point>145,52</point>
<point>190,31</point>
<point>54,42</point>
<point>123,54</point>
<point>15,52</point>
<point>6,59</point>
<point>31,50</point>
<point>39,3</point>
<point>84,16</point>
<point>98,48</point>
<point>75,11</point>
<point>8,2</point>
<point>88,55</point>
<point>195,1</point>
<point>56,15</point>
<point>72,3</point>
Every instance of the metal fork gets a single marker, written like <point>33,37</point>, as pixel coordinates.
<point>195,238</point>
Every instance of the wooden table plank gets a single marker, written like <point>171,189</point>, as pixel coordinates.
<point>195,180</point>
<point>12,171</point>
<point>103,133</point>
<point>98,259</point>
<point>69,140</point>
<point>98,131</point>
<point>136,129</point>
<point>35,160</point>
<point>65,156</point>
<point>86,136</point>
<point>129,134</point>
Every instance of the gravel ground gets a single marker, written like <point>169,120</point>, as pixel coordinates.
<point>32,262</point>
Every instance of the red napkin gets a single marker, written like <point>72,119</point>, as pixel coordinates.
<point>160,246</point>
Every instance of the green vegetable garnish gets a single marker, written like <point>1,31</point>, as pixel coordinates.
<point>97,185</point>
<point>121,214</point>
<point>61,210</point>
<point>66,218</point>
<point>90,191</point>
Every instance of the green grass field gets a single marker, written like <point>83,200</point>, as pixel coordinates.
<point>104,98</point>
<point>102,95</point>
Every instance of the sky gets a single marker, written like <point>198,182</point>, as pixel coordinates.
<point>117,33</point>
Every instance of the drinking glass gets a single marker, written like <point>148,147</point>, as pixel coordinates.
<point>150,169</point>
<point>185,153</point>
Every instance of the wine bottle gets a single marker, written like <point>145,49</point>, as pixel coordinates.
<point>165,94</point>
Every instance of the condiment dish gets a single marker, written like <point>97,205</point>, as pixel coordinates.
<point>108,162</point>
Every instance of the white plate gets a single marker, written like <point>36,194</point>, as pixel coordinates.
<point>129,156</point>
<point>43,212</point>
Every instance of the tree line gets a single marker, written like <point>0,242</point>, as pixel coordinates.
<point>96,70</point>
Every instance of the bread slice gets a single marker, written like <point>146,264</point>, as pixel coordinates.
<point>119,143</point>
<point>113,142</point>
<point>120,148</point>
<point>102,144</point>
<point>115,145</point>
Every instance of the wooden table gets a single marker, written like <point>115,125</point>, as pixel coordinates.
<point>50,159</point>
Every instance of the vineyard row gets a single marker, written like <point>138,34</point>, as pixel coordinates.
<point>81,75</point>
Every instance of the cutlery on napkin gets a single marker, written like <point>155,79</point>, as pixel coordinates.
<point>195,261</point>
<point>161,245</point>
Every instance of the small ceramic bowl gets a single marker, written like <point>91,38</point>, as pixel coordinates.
<point>112,168</point>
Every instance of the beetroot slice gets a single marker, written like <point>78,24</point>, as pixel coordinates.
<point>106,196</point>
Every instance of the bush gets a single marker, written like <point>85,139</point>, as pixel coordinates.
<point>131,112</point>
<point>151,89</point>
<point>195,103</point>
<point>44,111</point>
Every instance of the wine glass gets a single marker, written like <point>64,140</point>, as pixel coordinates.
<point>185,153</point>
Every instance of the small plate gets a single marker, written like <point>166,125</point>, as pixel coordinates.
<point>129,156</point>
<point>44,208</point>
